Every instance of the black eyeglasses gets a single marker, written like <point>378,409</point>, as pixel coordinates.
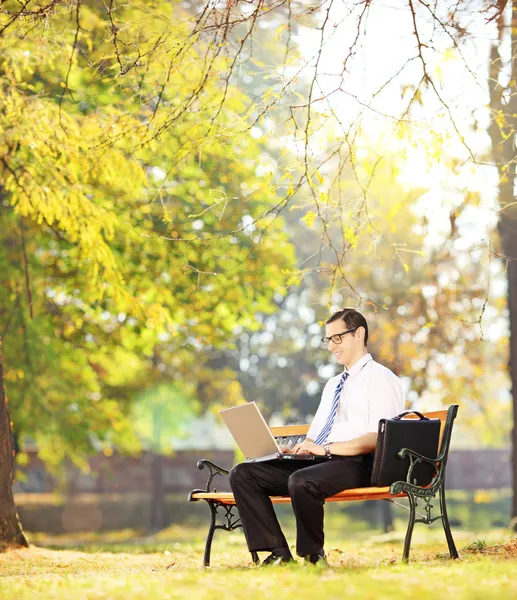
<point>337,338</point>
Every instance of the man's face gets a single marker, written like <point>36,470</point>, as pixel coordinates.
<point>350,342</point>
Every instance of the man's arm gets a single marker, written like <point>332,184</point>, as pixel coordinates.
<point>364,444</point>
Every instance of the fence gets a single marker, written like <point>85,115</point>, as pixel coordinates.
<point>149,491</point>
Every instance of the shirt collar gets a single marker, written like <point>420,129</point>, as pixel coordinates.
<point>359,364</point>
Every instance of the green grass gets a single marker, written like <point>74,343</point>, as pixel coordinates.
<point>168,566</point>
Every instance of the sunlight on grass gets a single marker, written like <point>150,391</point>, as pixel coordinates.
<point>168,565</point>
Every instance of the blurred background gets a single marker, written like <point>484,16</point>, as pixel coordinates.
<point>187,192</point>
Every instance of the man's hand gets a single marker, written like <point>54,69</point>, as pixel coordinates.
<point>285,449</point>
<point>307,447</point>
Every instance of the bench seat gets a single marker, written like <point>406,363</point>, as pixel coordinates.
<point>366,493</point>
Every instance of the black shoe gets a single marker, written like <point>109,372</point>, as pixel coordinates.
<point>317,559</point>
<point>278,558</point>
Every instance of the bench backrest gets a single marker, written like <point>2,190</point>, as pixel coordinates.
<point>290,433</point>
<point>436,414</point>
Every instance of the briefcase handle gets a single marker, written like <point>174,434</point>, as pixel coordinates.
<point>408,412</point>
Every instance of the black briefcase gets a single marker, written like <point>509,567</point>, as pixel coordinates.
<point>421,435</point>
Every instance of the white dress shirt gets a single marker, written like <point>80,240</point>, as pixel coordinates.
<point>370,393</point>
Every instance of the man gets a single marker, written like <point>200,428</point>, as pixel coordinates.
<point>344,429</point>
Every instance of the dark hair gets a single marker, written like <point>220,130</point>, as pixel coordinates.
<point>352,319</point>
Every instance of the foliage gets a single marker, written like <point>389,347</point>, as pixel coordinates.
<point>477,545</point>
<point>120,73</point>
<point>127,248</point>
<point>422,297</point>
<point>159,414</point>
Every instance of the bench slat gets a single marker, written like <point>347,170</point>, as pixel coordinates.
<point>368,493</point>
<point>286,430</point>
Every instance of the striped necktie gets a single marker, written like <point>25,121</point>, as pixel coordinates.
<point>325,432</point>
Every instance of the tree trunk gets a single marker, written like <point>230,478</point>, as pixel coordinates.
<point>11,533</point>
<point>508,232</point>
<point>387,516</point>
<point>157,520</point>
<point>503,105</point>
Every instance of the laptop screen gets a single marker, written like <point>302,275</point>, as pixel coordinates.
<point>250,430</point>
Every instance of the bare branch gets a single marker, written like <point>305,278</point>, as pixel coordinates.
<point>70,62</point>
<point>28,288</point>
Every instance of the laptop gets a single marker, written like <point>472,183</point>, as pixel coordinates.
<point>253,436</point>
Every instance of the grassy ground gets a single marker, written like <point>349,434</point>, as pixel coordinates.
<point>168,565</point>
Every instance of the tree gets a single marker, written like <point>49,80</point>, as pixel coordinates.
<point>11,533</point>
<point>327,140</point>
<point>503,127</point>
<point>422,90</point>
<point>100,301</point>
<point>418,334</point>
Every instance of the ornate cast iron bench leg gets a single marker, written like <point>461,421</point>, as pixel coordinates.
<point>211,531</point>
<point>410,526</point>
<point>427,519</point>
<point>446,526</point>
<point>231,523</point>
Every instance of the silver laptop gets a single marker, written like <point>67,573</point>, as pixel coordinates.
<point>253,436</point>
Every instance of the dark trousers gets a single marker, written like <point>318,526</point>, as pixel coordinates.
<point>308,486</point>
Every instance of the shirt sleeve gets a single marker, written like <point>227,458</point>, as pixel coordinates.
<point>342,431</point>
<point>320,418</point>
<point>385,398</point>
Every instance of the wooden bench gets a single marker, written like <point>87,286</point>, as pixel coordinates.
<point>225,502</point>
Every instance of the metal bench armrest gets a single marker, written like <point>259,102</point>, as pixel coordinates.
<point>415,458</point>
<point>418,457</point>
<point>213,469</point>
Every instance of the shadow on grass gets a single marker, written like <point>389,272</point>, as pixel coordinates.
<point>128,547</point>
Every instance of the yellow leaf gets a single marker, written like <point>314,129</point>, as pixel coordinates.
<point>351,237</point>
<point>309,219</point>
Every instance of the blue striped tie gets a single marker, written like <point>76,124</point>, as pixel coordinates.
<point>324,433</point>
